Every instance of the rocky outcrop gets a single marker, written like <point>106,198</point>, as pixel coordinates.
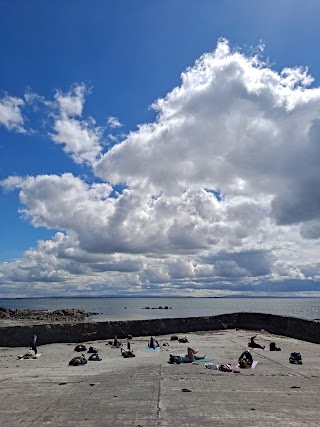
<point>63,315</point>
<point>17,336</point>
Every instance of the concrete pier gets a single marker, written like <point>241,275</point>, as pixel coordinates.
<point>147,391</point>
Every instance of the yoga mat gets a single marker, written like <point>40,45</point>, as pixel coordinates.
<point>203,360</point>
<point>36,356</point>
<point>157,348</point>
<point>254,364</point>
<point>254,348</point>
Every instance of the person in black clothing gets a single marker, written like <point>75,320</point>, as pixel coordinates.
<point>153,343</point>
<point>116,343</point>
<point>33,345</point>
<point>127,353</point>
<point>245,360</point>
<point>253,344</point>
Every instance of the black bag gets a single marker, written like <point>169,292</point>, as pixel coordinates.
<point>295,357</point>
<point>95,357</point>
<point>78,360</point>
<point>175,359</point>
<point>80,347</point>
<point>273,347</point>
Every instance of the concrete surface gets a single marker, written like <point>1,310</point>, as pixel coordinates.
<point>147,391</point>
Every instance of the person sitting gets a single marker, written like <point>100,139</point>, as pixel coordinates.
<point>254,344</point>
<point>116,343</point>
<point>127,353</point>
<point>245,360</point>
<point>190,357</point>
<point>153,343</point>
<point>33,345</point>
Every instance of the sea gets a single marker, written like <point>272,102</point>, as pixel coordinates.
<point>154,308</point>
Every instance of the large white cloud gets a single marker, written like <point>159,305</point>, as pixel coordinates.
<point>234,125</point>
<point>221,192</point>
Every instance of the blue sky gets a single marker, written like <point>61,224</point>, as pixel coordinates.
<point>115,60</point>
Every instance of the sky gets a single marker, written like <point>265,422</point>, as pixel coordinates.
<point>159,148</point>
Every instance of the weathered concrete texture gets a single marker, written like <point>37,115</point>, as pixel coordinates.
<point>147,391</point>
<point>20,335</point>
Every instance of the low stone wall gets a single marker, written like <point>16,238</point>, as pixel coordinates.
<point>302,329</point>
<point>20,336</point>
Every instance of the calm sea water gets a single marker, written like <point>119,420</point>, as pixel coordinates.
<point>134,308</point>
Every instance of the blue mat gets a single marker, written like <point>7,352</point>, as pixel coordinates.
<point>157,348</point>
<point>203,360</point>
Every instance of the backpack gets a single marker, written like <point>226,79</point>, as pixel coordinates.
<point>273,347</point>
<point>174,338</point>
<point>175,359</point>
<point>80,347</point>
<point>295,357</point>
<point>75,361</point>
<point>95,357</point>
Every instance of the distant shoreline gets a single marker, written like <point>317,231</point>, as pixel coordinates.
<point>158,297</point>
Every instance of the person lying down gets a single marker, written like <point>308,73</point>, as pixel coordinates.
<point>28,355</point>
<point>190,357</point>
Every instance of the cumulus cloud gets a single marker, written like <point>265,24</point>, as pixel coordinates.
<point>62,202</point>
<point>130,223</point>
<point>219,194</point>
<point>234,125</point>
<point>10,114</point>
<point>71,103</point>
<point>81,138</point>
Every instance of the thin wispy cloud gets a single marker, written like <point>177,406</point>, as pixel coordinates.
<point>113,122</point>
